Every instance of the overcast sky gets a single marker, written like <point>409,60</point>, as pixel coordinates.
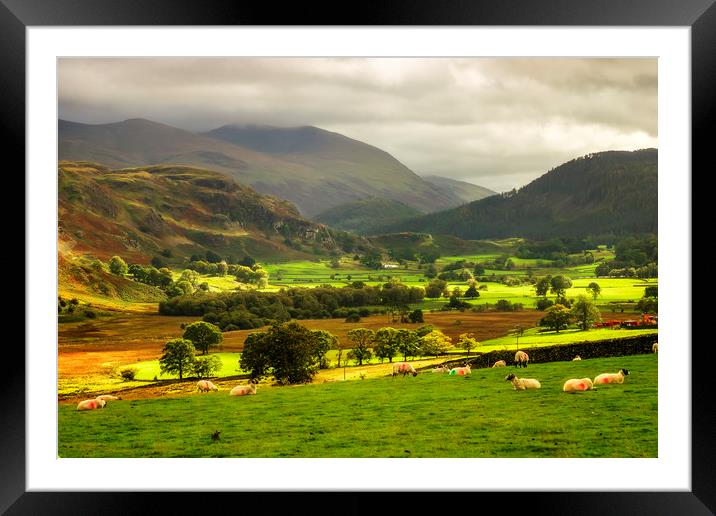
<point>499,122</point>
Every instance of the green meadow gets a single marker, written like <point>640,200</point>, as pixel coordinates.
<point>430,415</point>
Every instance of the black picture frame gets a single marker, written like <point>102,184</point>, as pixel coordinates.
<point>699,15</point>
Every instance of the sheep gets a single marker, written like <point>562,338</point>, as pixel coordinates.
<point>521,359</point>
<point>242,390</point>
<point>617,377</point>
<point>500,363</point>
<point>206,386</point>
<point>107,397</point>
<point>655,347</point>
<point>522,384</point>
<point>461,371</point>
<point>578,384</point>
<point>577,358</point>
<point>404,368</point>
<point>440,369</point>
<point>91,404</point>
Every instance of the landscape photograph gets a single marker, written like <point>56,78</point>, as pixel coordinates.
<point>355,257</point>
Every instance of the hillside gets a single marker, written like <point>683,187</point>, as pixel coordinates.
<point>313,168</point>
<point>173,211</point>
<point>364,216</point>
<point>613,192</point>
<point>466,192</point>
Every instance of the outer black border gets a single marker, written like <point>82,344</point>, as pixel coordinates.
<point>700,15</point>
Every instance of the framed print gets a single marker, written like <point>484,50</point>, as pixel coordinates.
<point>283,256</point>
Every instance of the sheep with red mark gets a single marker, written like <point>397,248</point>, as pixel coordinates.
<point>404,368</point>
<point>500,363</point>
<point>92,404</point>
<point>521,359</point>
<point>522,384</point>
<point>606,378</point>
<point>578,385</point>
<point>243,390</point>
<point>461,371</point>
<point>206,386</point>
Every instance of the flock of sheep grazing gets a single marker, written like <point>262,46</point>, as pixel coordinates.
<point>404,369</point>
<point>202,385</point>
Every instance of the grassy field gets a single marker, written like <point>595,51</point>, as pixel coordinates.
<point>431,415</point>
<point>535,338</point>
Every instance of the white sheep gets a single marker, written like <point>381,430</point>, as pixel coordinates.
<point>576,359</point>
<point>91,404</point>
<point>206,386</point>
<point>242,390</point>
<point>655,347</point>
<point>461,371</point>
<point>440,369</point>
<point>404,368</point>
<point>521,359</point>
<point>500,363</point>
<point>522,384</point>
<point>617,377</point>
<point>107,397</point>
<point>578,384</point>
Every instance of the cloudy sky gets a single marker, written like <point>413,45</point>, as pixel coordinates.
<point>495,122</point>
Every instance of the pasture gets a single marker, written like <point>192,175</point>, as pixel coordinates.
<point>431,415</point>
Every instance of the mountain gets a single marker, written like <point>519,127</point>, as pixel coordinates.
<point>313,168</point>
<point>466,192</point>
<point>176,211</point>
<point>364,216</point>
<point>612,192</point>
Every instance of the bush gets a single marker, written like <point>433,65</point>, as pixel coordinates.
<point>128,374</point>
<point>565,352</point>
<point>544,303</point>
<point>353,318</point>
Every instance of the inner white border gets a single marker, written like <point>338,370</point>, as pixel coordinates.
<point>670,471</point>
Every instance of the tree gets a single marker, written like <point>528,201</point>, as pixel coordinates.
<point>585,312</point>
<point>203,335</point>
<point>204,367</point>
<point>212,257</point>
<point>247,261</point>
<point>158,262</point>
<point>372,259</point>
<point>416,316</point>
<point>362,339</point>
<point>428,253</point>
<point>559,285</point>
<point>542,285</point>
<point>117,266</point>
<point>408,343</point>
<point>177,357</point>
<point>435,343</point>
<point>468,342</point>
<point>386,343</point>
<point>436,288</point>
<point>430,271</point>
<point>325,340</point>
<point>557,317</point>
<point>652,291</point>
<point>471,291</point>
<point>456,292</point>
<point>290,352</point>
<point>594,289</point>
<point>519,331</point>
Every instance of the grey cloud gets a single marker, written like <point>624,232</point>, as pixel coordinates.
<point>496,122</point>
